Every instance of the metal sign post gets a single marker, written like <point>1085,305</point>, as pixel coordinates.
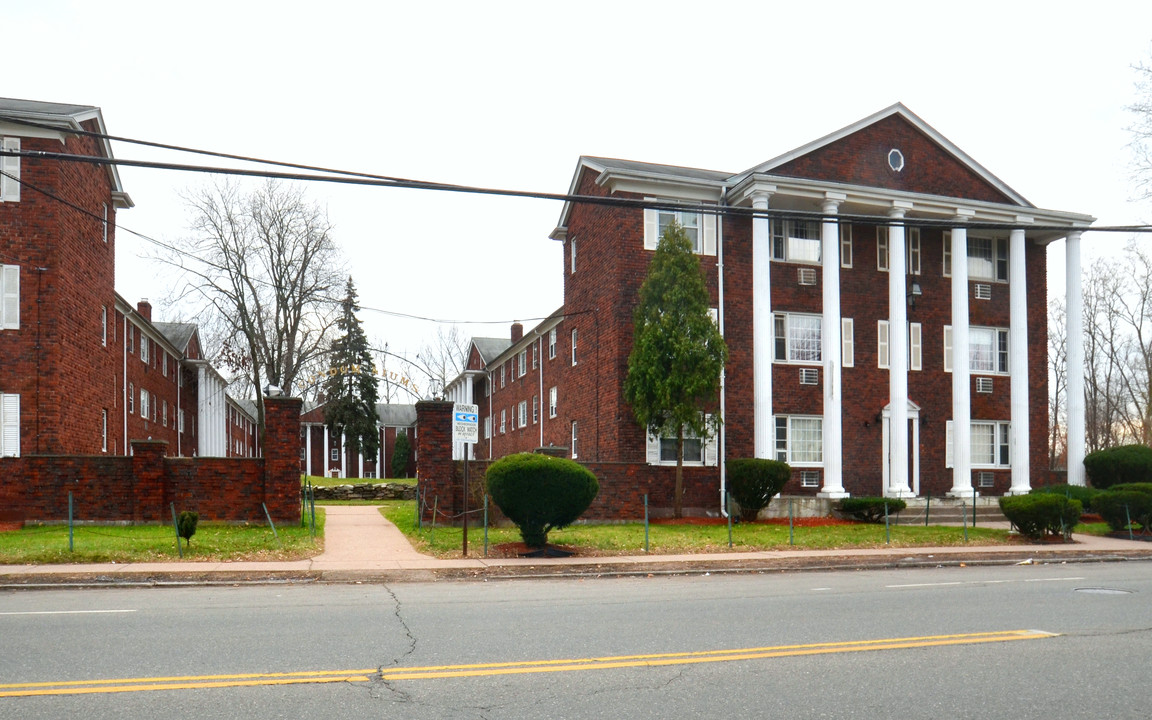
<point>465,429</point>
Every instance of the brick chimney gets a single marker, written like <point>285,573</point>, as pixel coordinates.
<point>145,309</point>
<point>517,332</point>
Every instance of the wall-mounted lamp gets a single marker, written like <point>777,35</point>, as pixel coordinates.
<point>913,293</point>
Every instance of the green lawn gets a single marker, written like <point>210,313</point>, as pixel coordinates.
<point>321,481</point>
<point>628,538</point>
<point>48,544</point>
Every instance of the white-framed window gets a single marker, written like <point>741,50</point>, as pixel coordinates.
<point>131,338</point>
<point>847,342</point>
<point>487,427</point>
<point>145,398</point>
<point>535,356</point>
<point>9,297</point>
<point>9,425</point>
<point>573,346</point>
<point>987,350</point>
<point>104,225</point>
<point>913,251</point>
<point>947,269</point>
<point>882,248</point>
<point>699,227</point>
<point>104,326</point>
<point>796,240</point>
<point>798,338</point>
<point>104,430</point>
<point>800,440</point>
<point>915,346</point>
<point>552,402</point>
<point>10,179</point>
<point>522,362</point>
<point>535,409</point>
<point>845,245</point>
<point>131,399</point>
<point>522,412</point>
<point>335,454</point>
<point>991,442</point>
<point>573,445</point>
<point>697,451</point>
<point>572,255</point>
<point>164,361</point>
<point>165,412</point>
<point>503,421</point>
<point>502,374</point>
<point>882,345</point>
<point>181,419</point>
<point>144,343</point>
<point>513,417</point>
<point>552,343</point>
<point>987,258</point>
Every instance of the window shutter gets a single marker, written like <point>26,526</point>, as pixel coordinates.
<point>710,444</point>
<point>10,302</point>
<point>651,228</point>
<point>948,444</point>
<point>653,450</point>
<point>848,350</point>
<point>708,221</point>
<point>947,348</point>
<point>9,426</point>
<point>882,343</point>
<point>10,186</point>
<point>914,347</point>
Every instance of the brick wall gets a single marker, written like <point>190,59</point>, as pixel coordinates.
<point>141,488</point>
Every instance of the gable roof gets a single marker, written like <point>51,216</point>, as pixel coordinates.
<point>179,334</point>
<point>490,348</point>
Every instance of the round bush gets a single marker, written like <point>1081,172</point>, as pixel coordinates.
<point>1124,464</point>
<point>754,481</point>
<point>1044,514</point>
<point>1076,492</point>
<point>870,509</point>
<point>540,493</point>
<point>1117,507</point>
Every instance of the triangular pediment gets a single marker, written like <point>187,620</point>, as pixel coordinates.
<point>927,162</point>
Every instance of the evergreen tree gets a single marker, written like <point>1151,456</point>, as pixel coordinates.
<point>677,350</point>
<point>351,385</point>
<point>401,454</point>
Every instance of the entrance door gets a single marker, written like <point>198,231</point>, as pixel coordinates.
<point>913,459</point>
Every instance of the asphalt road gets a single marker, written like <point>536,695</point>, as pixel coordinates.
<point>1037,641</point>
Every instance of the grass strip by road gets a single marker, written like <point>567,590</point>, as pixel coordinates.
<point>434,672</point>
<point>213,542</point>
<point>628,538</point>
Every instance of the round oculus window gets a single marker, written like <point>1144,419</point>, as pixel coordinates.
<point>895,159</point>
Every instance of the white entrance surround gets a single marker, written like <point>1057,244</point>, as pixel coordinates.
<point>1075,314</point>
<point>961,364</point>
<point>1018,361</point>
<point>762,326</point>
<point>896,461</point>
<point>831,353</point>
<point>911,412</point>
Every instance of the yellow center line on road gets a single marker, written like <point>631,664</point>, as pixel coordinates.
<point>190,682</point>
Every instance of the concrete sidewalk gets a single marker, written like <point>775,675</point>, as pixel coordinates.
<point>361,546</point>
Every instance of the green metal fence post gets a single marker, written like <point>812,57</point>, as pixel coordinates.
<point>645,522</point>
<point>176,527</point>
<point>70,524</point>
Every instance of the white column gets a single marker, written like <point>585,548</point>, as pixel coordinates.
<point>897,355</point>
<point>1018,364</point>
<point>832,352</point>
<point>327,451</point>
<point>762,329</point>
<point>1077,439</point>
<point>343,457</point>
<point>308,449</point>
<point>961,369</point>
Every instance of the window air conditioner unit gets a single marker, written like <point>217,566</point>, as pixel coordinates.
<point>984,385</point>
<point>809,376</point>
<point>983,291</point>
<point>807,276</point>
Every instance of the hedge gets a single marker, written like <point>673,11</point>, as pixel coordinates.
<point>540,493</point>
<point>753,482</point>
<point>870,509</point>
<point>1085,495</point>
<point>1043,514</point>
<point>1124,464</point>
<point>1118,506</point>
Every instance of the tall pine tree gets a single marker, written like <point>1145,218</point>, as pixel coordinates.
<point>677,350</point>
<point>351,385</point>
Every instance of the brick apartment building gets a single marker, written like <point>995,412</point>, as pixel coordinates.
<point>82,371</point>
<point>876,278</point>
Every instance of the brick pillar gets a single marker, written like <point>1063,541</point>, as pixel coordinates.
<point>435,470</point>
<point>148,480</point>
<point>282,458</point>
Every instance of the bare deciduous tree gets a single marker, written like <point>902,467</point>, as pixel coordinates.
<point>1141,131</point>
<point>441,360</point>
<point>1058,385</point>
<point>266,266</point>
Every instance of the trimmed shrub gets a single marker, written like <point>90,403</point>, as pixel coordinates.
<point>1036,516</point>
<point>1076,492</point>
<point>1145,487</point>
<point>1124,464</point>
<point>540,493</point>
<point>1117,506</point>
<point>870,509</point>
<point>186,525</point>
<point>754,481</point>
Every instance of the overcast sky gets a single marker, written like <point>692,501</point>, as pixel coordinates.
<point>509,95</point>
